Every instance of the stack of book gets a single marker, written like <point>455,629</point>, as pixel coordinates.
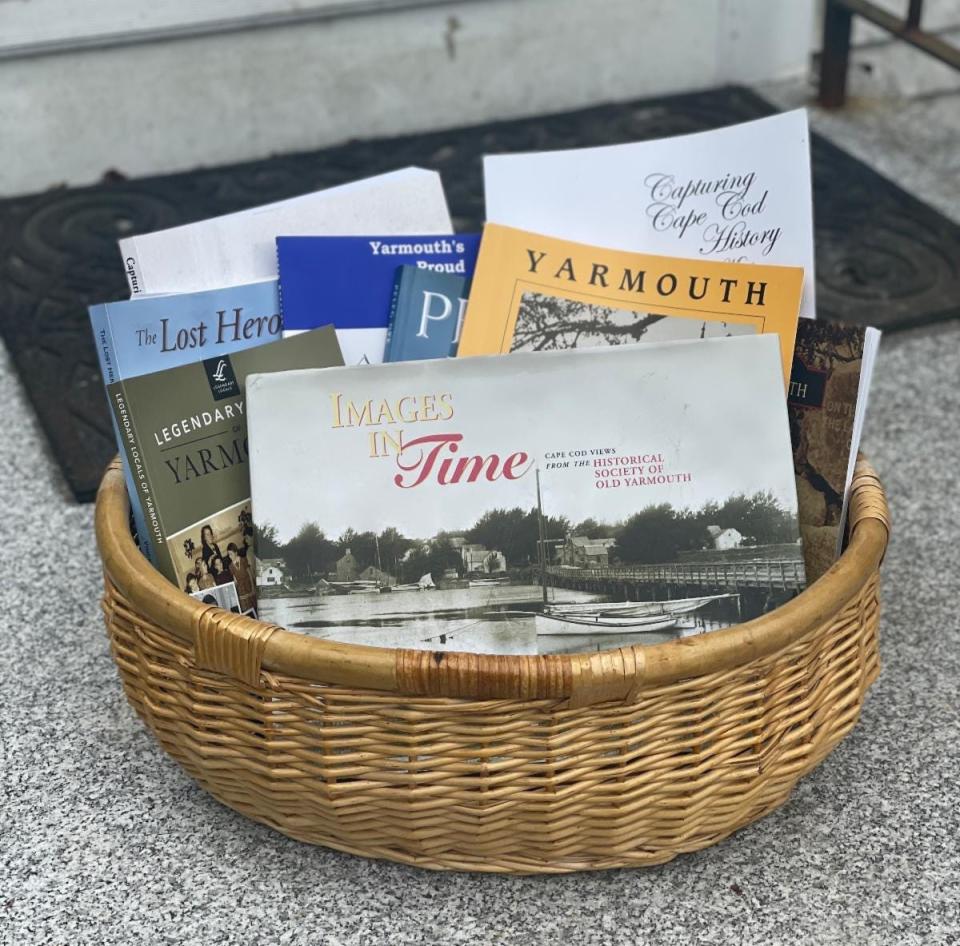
<point>610,418</point>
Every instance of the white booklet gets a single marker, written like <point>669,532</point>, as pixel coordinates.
<point>240,247</point>
<point>740,194</point>
<point>538,502</point>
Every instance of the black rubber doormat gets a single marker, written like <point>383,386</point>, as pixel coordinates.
<point>883,257</point>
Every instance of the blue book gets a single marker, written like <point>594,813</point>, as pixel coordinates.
<point>426,314</point>
<point>348,281</point>
<point>151,333</point>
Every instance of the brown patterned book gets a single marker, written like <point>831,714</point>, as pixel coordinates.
<point>827,400</point>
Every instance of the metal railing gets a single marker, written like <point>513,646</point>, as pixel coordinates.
<point>837,25</point>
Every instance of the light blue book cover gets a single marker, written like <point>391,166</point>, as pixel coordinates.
<point>426,315</point>
<point>347,281</point>
<point>152,333</point>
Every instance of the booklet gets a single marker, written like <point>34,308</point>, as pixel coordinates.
<point>495,505</point>
<point>184,433</point>
<point>348,282</point>
<point>223,596</point>
<point>736,194</point>
<point>151,333</point>
<point>827,403</point>
<point>239,247</point>
<point>426,315</point>
<point>537,293</point>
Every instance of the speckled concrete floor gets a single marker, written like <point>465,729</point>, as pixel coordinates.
<point>103,840</point>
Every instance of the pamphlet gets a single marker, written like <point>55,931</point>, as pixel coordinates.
<point>239,247</point>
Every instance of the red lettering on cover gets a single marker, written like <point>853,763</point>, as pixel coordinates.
<point>428,457</point>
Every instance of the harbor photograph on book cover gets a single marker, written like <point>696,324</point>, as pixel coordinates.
<point>500,505</point>
<point>217,551</point>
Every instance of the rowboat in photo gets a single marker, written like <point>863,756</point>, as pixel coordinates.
<point>675,606</point>
<point>357,587</point>
<point>556,625</point>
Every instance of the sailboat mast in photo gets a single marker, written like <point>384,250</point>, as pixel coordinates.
<point>541,545</point>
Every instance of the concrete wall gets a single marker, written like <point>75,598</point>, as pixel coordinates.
<point>87,87</point>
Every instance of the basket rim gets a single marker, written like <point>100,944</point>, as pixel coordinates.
<point>244,648</point>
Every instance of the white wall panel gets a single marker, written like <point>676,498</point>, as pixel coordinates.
<point>229,96</point>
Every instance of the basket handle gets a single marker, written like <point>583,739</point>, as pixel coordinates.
<point>867,500</point>
<point>231,644</point>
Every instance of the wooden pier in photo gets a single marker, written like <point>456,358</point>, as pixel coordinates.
<point>638,581</point>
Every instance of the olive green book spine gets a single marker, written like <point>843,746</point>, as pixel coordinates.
<point>184,432</point>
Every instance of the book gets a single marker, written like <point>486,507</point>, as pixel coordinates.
<point>239,247</point>
<point>348,282</point>
<point>740,193</point>
<point>827,402</point>
<point>483,495</point>
<point>152,333</point>
<point>426,314</point>
<point>184,434</point>
<point>537,293</point>
<point>220,596</point>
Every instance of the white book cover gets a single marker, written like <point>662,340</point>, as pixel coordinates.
<point>240,247</point>
<point>735,194</point>
<point>528,503</point>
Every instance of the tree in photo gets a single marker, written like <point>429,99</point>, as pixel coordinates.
<point>515,533</point>
<point>656,534</point>
<point>393,546</point>
<point>504,529</point>
<point>434,558</point>
<point>547,323</point>
<point>759,517</point>
<point>362,546</point>
<point>310,553</point>
<point>591,529</point>
<point>266,541</point>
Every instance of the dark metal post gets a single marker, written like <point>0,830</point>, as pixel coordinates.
<point>835,55</point>
<point>914,13</point>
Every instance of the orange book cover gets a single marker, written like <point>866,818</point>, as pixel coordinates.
<point>538,293</point>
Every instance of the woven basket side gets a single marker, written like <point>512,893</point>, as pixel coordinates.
<point>529,785</point>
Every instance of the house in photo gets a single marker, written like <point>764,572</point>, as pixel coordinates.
<point>347,567</point>
<point>723,539</point>
<point>270,571</point>
<point>579,551</point>
<point>372,573</point>
<point>478,558</point>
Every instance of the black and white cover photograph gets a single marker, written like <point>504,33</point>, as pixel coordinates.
<point>221,596</point>
<point>507,507</point>
<point>546,323</point>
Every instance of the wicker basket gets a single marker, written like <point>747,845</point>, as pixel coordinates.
<point>520,764</point>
